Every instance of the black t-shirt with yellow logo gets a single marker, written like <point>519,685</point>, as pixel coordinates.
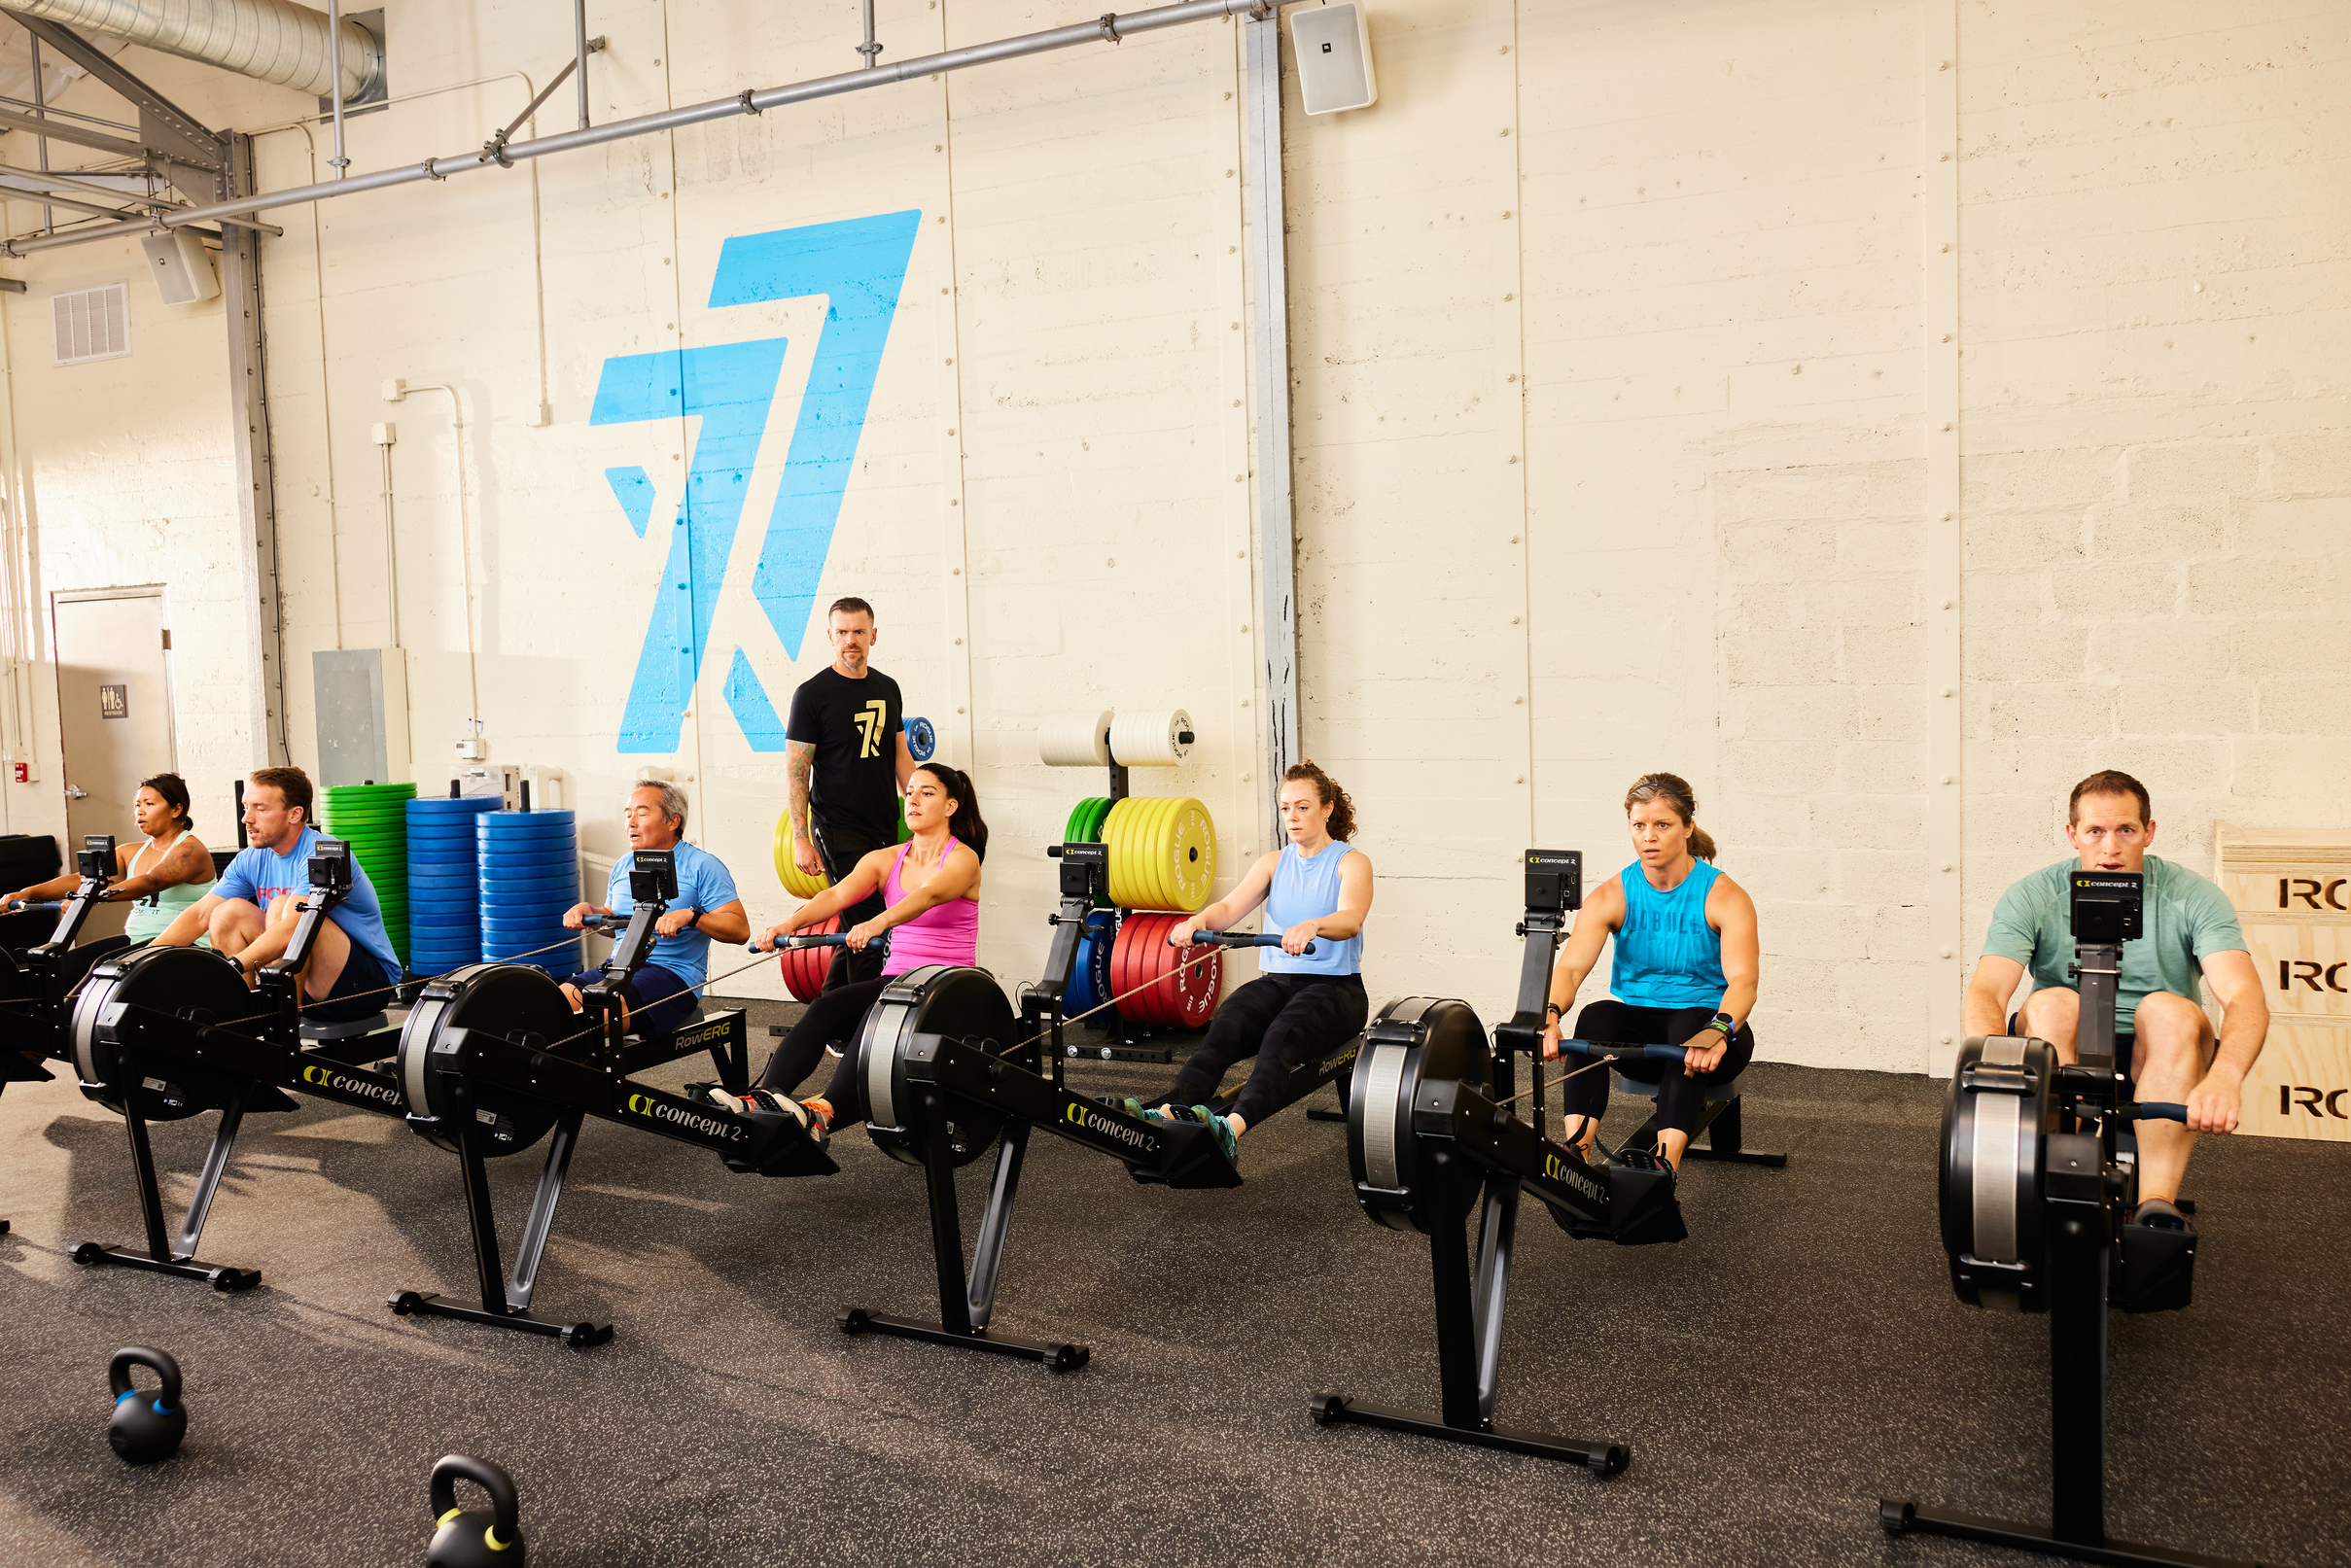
<point>855,727</point>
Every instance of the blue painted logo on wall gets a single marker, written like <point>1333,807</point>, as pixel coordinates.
<point>859,266</point>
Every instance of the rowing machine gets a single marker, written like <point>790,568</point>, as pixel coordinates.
<point>163,1033</point>
<point>32,984</point>
<point>950,1070</point>
<point>2039,1184</point>
<point>1433,1135</point>
<point>492,1060</point>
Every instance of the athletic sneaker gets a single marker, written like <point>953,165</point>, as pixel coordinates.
<point>2159,1214</point>
<point>1149,1113</point>
<point>1223,1129</point>
<point>761,1101</point>
<point>717,1096</point>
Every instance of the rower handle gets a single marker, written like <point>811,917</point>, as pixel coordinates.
<point>1236,939</point>
<point>47,907</point>
<point>2156,1110</point>
<point>1619,1048</point>
<point>805,939</point>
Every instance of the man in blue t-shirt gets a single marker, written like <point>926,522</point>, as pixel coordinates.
<point>2191,931</point>
<point>252,911</point>
<point>706,910</point>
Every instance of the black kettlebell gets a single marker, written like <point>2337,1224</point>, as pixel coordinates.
<point>475,1538</point>
<point>145,1429</point>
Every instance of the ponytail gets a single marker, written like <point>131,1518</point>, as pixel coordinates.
<point>965,824</point>
<point>1675,790</point>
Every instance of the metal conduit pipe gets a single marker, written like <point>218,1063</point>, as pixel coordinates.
<point>1106,29</point>
<point>270,40</point>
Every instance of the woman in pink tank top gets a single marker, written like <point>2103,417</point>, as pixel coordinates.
<point>930,884</point>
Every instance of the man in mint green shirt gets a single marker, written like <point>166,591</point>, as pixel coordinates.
<point>2189,932</point>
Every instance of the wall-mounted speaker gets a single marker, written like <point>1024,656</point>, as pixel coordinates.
<point>183,272</point>
<point>1333,47</point>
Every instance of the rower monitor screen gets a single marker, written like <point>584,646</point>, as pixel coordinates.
<point>97,856</point>
<point>1555,879</point>
<point>652,877</point>
<point>330,865</point>
<point>2106,907</point>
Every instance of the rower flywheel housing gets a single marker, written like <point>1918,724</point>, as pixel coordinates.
<point>1997,1118</point>
<point>954,1003</point>
<point>1405,1062</point>
<point>136,1018</point>
<point>513,1002</point>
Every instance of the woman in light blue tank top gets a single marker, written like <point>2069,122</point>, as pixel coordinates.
<point>1687,960</point>
<point>1318,890</point>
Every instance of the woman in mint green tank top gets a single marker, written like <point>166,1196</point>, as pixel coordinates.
<point>1687,960</point>
<point>159,872</point>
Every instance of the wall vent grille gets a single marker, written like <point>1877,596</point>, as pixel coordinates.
<point>91,323</point>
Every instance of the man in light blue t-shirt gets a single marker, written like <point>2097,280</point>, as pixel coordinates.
<point>706,910</point>
<point>2159,1019</point>
<point>252,910</point>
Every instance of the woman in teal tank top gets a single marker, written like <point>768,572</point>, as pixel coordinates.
<point>1686,958</point>
<point>161,872</point>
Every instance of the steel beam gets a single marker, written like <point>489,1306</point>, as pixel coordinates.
<point>1270,405</point>
<point>59,130</point>
<point>255,466</point>
<point>1106,29</point>
<point>163,125</point>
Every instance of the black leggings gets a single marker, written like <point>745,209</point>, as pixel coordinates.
<point>1280,1019</point>
<point>1680,1098</point>
<point>832,1019</point>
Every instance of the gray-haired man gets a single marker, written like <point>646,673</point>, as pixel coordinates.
<point>707,910</point>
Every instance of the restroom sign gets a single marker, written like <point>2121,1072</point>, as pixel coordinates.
<point>113,702</point>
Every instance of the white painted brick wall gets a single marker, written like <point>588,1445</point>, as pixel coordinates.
<point>1610,421</point>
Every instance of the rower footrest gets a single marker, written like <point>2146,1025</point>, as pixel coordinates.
<point>1642,1210</point>
<point>1190,1156</point>
<point>2158,1268</point>
<point>781,1147</point>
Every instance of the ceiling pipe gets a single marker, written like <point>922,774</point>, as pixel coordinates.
<point>270,40</point>
<point>1110,28</point>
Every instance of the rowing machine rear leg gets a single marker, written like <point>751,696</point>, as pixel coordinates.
<point>1724,1142</point>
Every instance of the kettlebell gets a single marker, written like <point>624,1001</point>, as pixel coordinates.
<point>475,1538</point>
<point>144,1430</point>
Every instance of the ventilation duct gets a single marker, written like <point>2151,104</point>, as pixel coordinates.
<point>270,40</point>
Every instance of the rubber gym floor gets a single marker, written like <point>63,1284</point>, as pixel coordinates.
<point>1799,1357</point>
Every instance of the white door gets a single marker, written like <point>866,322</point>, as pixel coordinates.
<point>114,705</point>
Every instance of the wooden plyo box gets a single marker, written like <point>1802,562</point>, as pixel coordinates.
<point>2292,889</point>
<point>2301,1088</point>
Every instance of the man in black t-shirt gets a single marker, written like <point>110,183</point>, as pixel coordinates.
<point>846,744</point>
